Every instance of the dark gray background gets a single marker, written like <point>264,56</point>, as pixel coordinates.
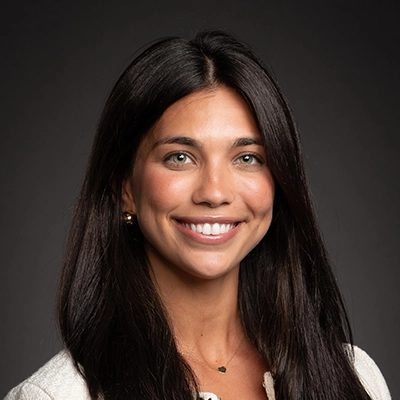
<point>338,63</point>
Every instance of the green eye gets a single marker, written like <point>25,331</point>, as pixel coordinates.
<point>248,159</point>
<point>180,158</point>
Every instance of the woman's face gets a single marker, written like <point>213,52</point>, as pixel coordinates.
<point>200,188</point>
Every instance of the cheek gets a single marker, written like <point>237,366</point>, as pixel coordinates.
<point>159,191</point>
<point>259,194</point>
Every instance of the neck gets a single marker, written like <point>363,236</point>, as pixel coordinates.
<point>204,314</point>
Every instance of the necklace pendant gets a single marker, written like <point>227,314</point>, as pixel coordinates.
<point>222,369</point>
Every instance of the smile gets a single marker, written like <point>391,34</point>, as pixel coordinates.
<point>210,229</point>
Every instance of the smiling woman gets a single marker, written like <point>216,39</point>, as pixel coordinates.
<point>203,200</point>
<point>195,268</point>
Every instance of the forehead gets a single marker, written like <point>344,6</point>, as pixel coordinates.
<point>207,115</point>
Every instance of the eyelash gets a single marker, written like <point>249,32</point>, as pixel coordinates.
<point>256,157</point>
<point>170,158</point>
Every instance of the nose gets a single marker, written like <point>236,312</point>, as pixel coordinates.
<point>214,186</point>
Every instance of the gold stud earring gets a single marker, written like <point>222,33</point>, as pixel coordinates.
<point>128,218</point>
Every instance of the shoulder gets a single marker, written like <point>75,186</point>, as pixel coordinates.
<point>370,375</point>
<point>58,379</point>
<point>368,372</point>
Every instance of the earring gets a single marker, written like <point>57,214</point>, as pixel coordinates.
<point>128,218</point>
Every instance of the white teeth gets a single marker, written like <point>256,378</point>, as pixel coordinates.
<point>208,229</point>
<point>216,229</point>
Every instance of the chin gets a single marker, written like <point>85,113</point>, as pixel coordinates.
<point>213,272</point>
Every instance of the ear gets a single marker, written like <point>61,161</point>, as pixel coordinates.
<point>128,201</point>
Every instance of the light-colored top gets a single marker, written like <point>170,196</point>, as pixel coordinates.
<point>58,379</point>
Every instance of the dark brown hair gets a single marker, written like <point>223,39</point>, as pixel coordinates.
<point>111,317</point>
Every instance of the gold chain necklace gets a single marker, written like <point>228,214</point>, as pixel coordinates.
<point>222,369</point>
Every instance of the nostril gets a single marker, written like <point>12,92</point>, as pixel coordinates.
<point>213,194</point>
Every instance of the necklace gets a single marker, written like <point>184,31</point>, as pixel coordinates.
<point>221,369</point>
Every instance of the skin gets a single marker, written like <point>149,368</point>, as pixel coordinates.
<point>203,163</point>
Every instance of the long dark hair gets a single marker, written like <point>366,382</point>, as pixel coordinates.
<point>112,320</point>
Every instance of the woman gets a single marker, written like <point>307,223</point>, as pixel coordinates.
<point>195,266</point>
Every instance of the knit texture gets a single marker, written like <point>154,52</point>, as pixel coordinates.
<point>58,379</point>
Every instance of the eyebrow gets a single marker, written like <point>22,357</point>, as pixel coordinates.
<point>187,141</point>
<point>247,142</point>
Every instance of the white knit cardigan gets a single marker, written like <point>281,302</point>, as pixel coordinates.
<point>59,380</point>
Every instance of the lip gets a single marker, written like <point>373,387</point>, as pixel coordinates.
<point>208,220</point>
<point>208,239</point>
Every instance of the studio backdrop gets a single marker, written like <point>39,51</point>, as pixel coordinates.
<point>338,64</point>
